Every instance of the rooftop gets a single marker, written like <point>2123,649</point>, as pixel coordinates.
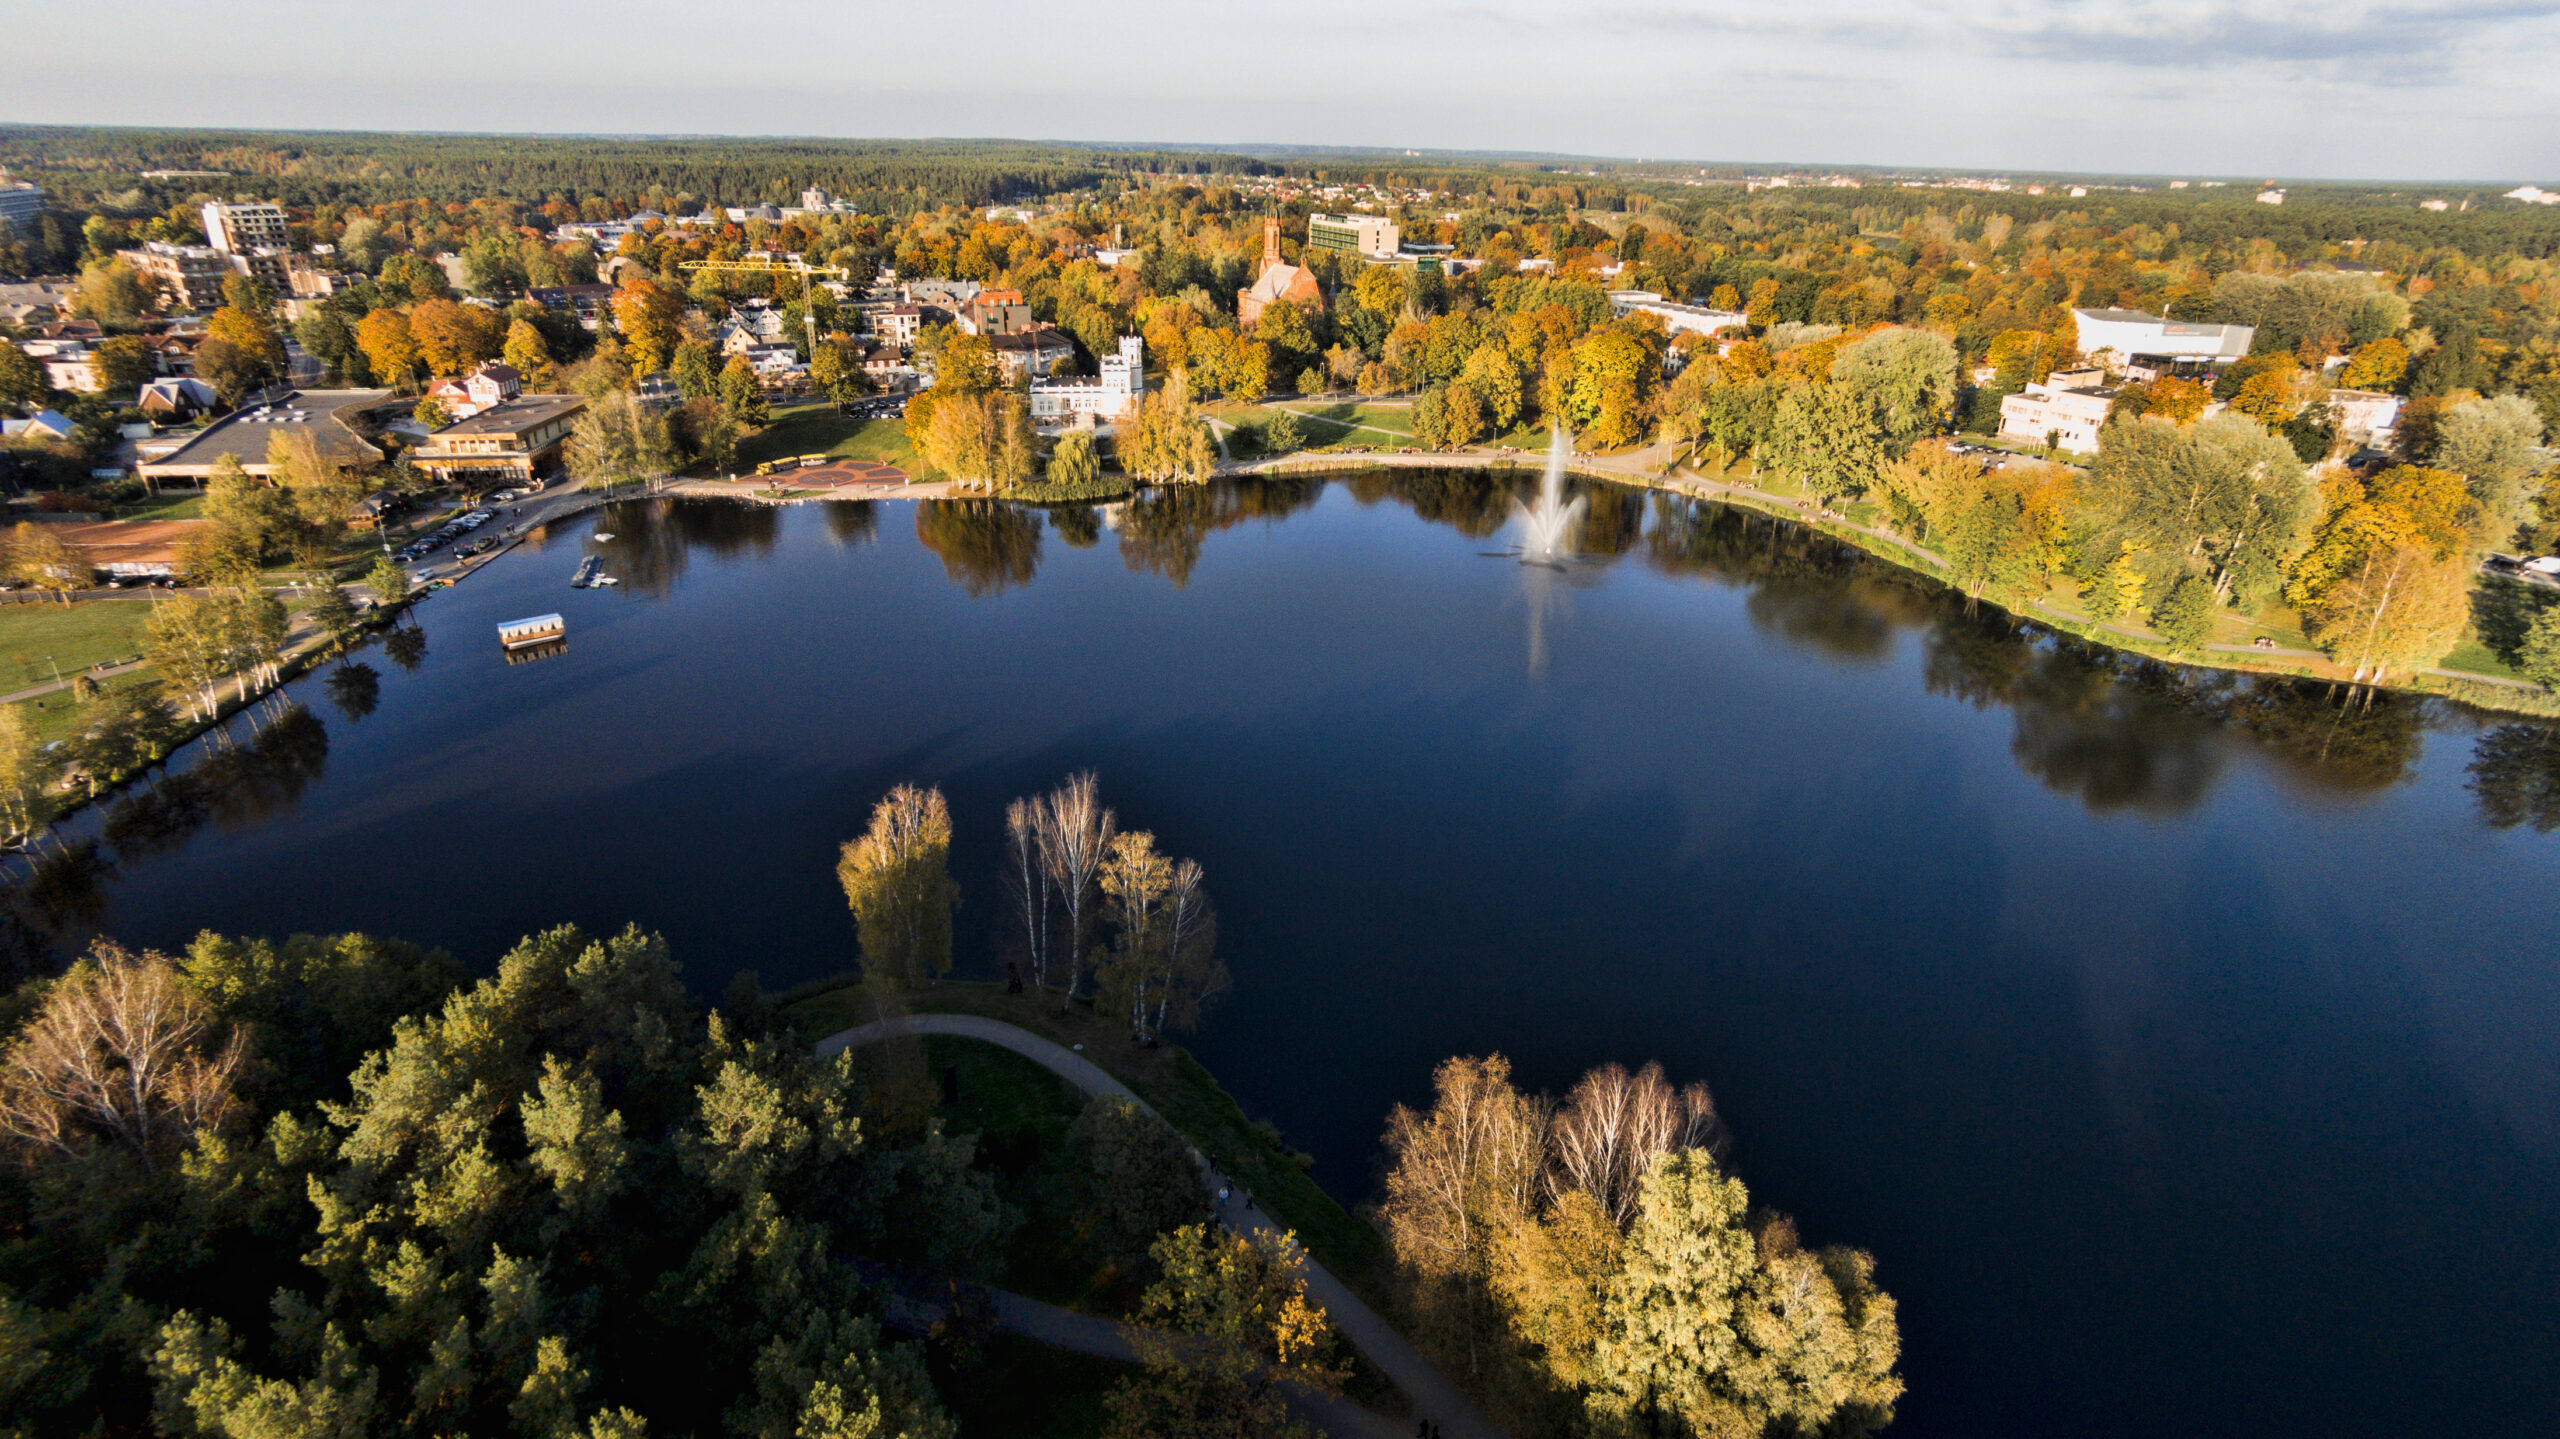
<point>326,415</point>
<point>509,416</point>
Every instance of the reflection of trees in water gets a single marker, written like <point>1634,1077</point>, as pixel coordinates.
<point>1804,585</point>
<point>852,522</point>
<point>2122,731</point>
<point>50,905</point>
<point>649,548</point>
<point>986,546</point>
<point>2515,772</point>
<point>1078,525</point>
<point>406,646</point>
<point>231,787</point>
<point>355,688</point>
<point>729,530</point>
<point>1475,503</point>
<point>1161,533</point>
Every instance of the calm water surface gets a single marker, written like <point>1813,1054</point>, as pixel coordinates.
<point>2183,1050</point>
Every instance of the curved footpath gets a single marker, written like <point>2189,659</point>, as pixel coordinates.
<point>1434,1397</point>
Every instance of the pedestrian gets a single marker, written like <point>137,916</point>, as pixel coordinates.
<point>1421,1429</point>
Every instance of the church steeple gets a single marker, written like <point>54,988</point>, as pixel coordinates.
<point>1270,241</point>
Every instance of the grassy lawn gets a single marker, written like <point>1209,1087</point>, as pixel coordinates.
<point>34,638</point>
<point>1338,420</point>
<point>2474,657</point>
<point>57,716</point>
<point>817,429</point>
<point>1186,1094</point>
<point>175,505</point>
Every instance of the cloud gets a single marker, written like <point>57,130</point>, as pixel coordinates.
<point>2396,39</point>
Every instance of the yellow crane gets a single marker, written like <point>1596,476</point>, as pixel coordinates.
<point>807,274</point>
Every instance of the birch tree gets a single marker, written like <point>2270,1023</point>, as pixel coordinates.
<point>1026,883</point>
<point>897,879</point>
<point>121,1052</point>
<point>1613,1125</point>
<point>184,639</point>
<point>1074,844</point>
<point>2403,607</point>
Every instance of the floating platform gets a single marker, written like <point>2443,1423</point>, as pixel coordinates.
<point>539,630</point>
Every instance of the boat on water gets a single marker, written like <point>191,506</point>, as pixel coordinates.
<point>601,581</point>
<point>601,536</point>
<point>537,630</point>
<point>586,574</point>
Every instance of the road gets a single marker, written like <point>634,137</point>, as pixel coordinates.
<point>1434,1397</point>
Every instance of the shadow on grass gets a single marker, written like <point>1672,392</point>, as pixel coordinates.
<point>2503,610</point>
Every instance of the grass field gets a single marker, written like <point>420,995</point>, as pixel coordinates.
<point>1328,422</point>
<point>37,637</point>
<point>817,429</point>
<point>175,505</point>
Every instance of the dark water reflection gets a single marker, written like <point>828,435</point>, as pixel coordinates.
<point>2182,1044</point>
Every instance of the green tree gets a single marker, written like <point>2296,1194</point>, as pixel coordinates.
<point>1823,439</point>
<point>1076,461</point>
<point>22,380</point>
<point>2185,618</point>
<point>26,778</point>
<point>898,880</point>
<point>1130,1179</point>
<point>389,583</point>
<point>39,556</point>
<point>696,376</point>
<point>125,364</point>
<point>1285,434</point>
<point>742,394</point>
<point>619,441</point>
<point>2539,656</point>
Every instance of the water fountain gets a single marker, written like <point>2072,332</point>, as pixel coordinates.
<point>1547,531</point>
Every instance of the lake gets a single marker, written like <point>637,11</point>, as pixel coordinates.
<point>2183,1048</point>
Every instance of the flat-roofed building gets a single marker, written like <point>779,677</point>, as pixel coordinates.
<point>511,441</point>
<point>187,276</point>
<point>20,203</point>
<point>332,418</point>
<point>238,229</point>
<point>1676,317</point>
<point>1370,236</point>
<point>2048,413</point>
<point>2130,338</point>
<point>1031,352</point>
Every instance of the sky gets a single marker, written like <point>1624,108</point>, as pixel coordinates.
<point>2410,89</point>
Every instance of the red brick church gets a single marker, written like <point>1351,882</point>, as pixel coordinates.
<point>1293,283</point>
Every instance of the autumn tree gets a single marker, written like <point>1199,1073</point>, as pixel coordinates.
<point>619,441</point>
<point>2403,606</point>
<point>1228,1339</point>
<point>897,878</point>
<point>27,776</point>
<point>122,1053</point>
<point>742,393</point>
<point>650,317</point>
<point>37,555</point>
<point>1167,440</point>
<point>1072,831</point>
<point>390,350</point>
<point>529,355</point>
<point>1162,965</point>
<point>453,337</point>
<point>1076,462</point>
<point>2378,365</point>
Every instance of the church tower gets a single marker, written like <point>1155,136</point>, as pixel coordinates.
<point>1270,241</point>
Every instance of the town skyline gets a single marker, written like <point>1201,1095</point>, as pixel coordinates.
<point>2444,92</point>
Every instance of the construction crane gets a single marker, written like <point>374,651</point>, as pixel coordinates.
<point>794,267</point>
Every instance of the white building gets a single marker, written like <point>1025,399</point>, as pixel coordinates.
<point>2270,197</point>
<point>1369,236</point>
<point>2070,418</point>
<point>240,229</point>
<point>2120,338</point>
<point>1108,396</point>
<point>1675,316</point>
<point>2364,416</point>
<point>2534,195</point>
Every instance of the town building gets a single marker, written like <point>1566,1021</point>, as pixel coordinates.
<point>897,324</point>
<point>2270,197</point>
<point>2051,412</point>
<point>2364,416</point>
<point>485,388</point>
<point>334,419</point>
<point>1368,236</point>
<point>68,364</point>
<point>20,203</point>
<point>2147,346</point>
<point>592,304</point>
<point>1278,281</point>
<point>238,229</point>
<point>189,277</point>
<point>510,443</point>
<point>1033,351</point>
<point>1676,317</point>
<point>994,312</point>
<point>886,369</point>
<point>175,398</point>
<point>1111,395</point>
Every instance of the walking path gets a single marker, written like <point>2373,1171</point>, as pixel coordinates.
<point>1434,1397</point>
